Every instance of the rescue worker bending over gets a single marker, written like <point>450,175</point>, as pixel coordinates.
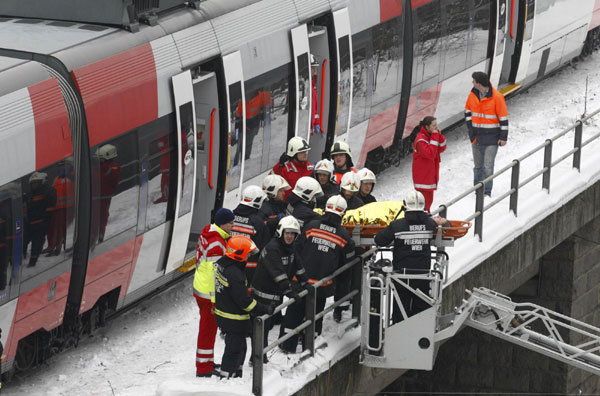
<point>210,248</point>
<point>273,208</point>
<point>349,188</point>
<point>411,237</point>
<point>276,269</point>
<point>301,201</point>
<point>367,184</point>
<point>322,248</point>
<point>342,160</point>
<point>249,222</point>
<point>324,173</point>
<point>234,306</point>
<point>293,163</point>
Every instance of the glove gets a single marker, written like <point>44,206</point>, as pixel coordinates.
<point>292,295</point>
<point>272,307</point>
<point>283,159</point>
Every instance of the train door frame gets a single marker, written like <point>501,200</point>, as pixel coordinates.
<point>183,95</point>
<point>498,40</point>
<point>345,84</point>
<point>303,81</point>
<point>517,50</point>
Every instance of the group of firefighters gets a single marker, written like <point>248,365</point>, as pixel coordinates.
<point>273,244</point>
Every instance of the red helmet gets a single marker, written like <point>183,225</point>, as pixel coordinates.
<point>239,247</point>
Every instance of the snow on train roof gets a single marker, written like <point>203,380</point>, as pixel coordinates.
<point>46,37</point>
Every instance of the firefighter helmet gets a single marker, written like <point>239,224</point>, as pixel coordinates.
<point>107,152</point>
<point>38,176</point>
<point>367,176</point>
<point>336,204</point>
<point>340,147</point>
<point>253,196</point>
<point>287,224</point>
<point>296,145</point>
<point>239,247</point>
<point>313,61</point>
<point>273,183</point>
<point>413,201</point>
<point>350,182</point>
<point>307,189</point>
<point>324,166</point>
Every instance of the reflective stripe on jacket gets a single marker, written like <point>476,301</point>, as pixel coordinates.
<point>487,118</point>
<point>211,247</point>
<point>426,159</point>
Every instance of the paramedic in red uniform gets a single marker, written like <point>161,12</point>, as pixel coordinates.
<point>428,146</point>
<point>293,164</point>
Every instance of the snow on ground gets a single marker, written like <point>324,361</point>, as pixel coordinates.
<point>151,349</point>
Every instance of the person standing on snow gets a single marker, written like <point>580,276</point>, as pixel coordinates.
<point>273,208</point>
<point>211,247</point>
<point>428,146</point>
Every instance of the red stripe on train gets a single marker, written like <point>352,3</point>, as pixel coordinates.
<point>52,131</point>
<point>595,16</point>
<point>119,93</point>
<point>389,9</point>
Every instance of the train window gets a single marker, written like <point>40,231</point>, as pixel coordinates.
<point>303,95</point>
<point>10,229</point>
<point>501,32</point>
<point>426,32</point>
<point>48,212</point>
<point>187,157</point>
<point>481,31</point>
<point>236,135</point>
<point>158,155</point>
<point>387,64</point>
<point>361,67</point>
<point>456,33</point>
<point>115,187</point>
<point>267,101</point>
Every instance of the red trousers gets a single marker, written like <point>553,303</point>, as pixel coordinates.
<point>428,195</point>
<point>205,349</point>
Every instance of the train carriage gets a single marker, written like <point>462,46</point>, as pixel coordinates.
<point>121,132</point>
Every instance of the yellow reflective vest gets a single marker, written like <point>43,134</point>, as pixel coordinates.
<point>211,247</point>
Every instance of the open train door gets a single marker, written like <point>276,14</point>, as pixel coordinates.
<point>302,75</point>
<point>518,44</point>
<point>343,40</point>
<point>185,113</point>
<point>498,33</point>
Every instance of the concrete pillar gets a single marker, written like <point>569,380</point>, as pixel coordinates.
<point>569,283</point>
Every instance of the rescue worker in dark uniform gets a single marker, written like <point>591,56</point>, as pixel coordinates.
<point>301,201</point>
<point>367,184</point>
<point>249,222</point>
<point>323,173</point>
<point>39,202</point>
<point>234,306</point>
<point>342,160</point>
<point>273,208</point>
<point>349,190</point>
<point>322,248</point>
<point>411,237</point>
<point>277,268</point>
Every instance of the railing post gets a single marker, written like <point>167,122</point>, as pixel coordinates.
<point>258,335</point>
<point>547,165</point>
<point>310,313</point>
<point>577,145</point>
<point>357,284</point>
<point>479,209</point>
<point>514,185</point>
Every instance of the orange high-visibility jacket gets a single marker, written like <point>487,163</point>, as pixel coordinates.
<point>487,119</point>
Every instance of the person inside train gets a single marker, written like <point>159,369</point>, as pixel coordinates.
<point>256,108</point>
<point>293,164</point>
<point>278,273</point>
<point>38,202</point>
<point>367,183</point>
<point>349,187</point>
<point>210,248</point>
<point>302,200</point>
<point>110,172</point>
<point>323,173</point>
<point>234,307</point>
<point>315,117</point>
<point>62,213</point>
<point>322,248</point>
<point>249,222</point>
<point>342,160</point>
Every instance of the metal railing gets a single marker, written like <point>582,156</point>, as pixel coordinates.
<point>311,316</point>
<point>516,184</point>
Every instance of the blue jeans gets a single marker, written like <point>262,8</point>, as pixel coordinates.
<point>483,158</point>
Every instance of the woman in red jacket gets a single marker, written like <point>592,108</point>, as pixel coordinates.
<point>428,146</point>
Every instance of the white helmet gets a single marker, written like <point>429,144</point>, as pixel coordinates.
<point>107,152</point>
<point>289,224</point>
<point>340,147</point>
<point>350,182</point>
<point>366,176</point>
<point>336,204</point>
<point>413,201</point>
<point>324,166</point>
<point>273,183</point>
<point>314,61</point>
<point>307,189</point>
<point>296,145</point>
<point>253,196</point>
<point>38,176</point>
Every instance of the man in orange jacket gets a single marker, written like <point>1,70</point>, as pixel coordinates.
<point>487,120</point>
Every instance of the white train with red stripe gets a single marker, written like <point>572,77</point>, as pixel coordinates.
<point>158,125</point>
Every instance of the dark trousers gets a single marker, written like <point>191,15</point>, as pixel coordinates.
<point>294,316</point>
<point>37,236</point>
<point>342,287</point>
<point>235,352</point>
<point>268,323</point>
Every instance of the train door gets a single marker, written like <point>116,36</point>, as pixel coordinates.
<point>236,118</point>
<point>183,94</point>
<point>206,105</point>
<point>518,44</point>
<point>303,78</point>
<point>498,39</point>
<point>343,40</point>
